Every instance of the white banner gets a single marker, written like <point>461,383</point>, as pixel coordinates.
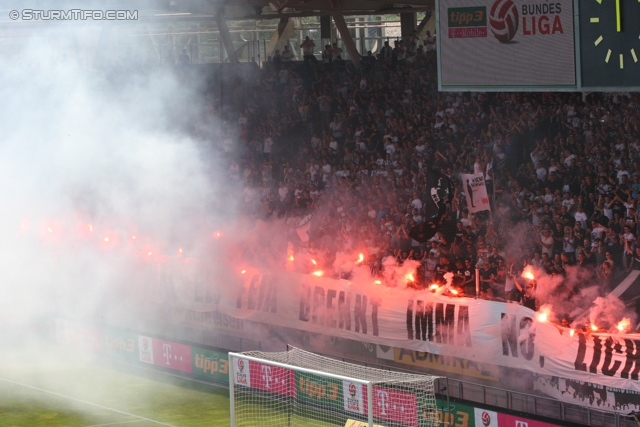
<point>475,190</point>
<point>476,330</point>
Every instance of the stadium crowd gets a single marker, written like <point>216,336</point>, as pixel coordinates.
<point>351,145</point>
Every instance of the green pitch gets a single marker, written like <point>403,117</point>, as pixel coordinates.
<point>97,395</point>
<point>87,393</point>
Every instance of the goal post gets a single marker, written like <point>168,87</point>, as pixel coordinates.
<point>297,388</point>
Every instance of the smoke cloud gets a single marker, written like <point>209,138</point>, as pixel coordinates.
<point>105,172</point>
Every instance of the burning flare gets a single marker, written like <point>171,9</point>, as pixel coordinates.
<point>624,325</point>
<point>434,286</point>
<point>313,261</point>
<point>291,258</point>
<point>544,313</point>
<point>594,327</point>
<point>318,273</point>
<point>409,277</point>
<point>360,258</point>
<point>528,273</point>
<point>378,282</point>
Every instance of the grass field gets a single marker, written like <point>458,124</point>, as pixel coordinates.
<point>83,395</point>
<point>90,393</point>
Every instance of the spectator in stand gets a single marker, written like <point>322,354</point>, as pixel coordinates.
<point>307,50</point>
<point>570,198</point>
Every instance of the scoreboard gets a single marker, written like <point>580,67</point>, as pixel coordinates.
<point>538,45</point>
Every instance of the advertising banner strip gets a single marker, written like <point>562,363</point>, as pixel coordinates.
<point>171,355</point>
<point>120,344</point>
<point>210,364</point>
<point>79,334</point>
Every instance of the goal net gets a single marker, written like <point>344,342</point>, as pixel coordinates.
<point>297,388</point>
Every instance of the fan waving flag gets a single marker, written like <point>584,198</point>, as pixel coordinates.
<point>440,190</point>
<point>475,190</point>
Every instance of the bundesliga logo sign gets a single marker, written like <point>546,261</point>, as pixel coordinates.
<point>542,19</point>
<point>505,19</point>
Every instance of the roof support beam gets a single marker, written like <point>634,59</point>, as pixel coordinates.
<point>341,25</point>
<point>283,32</point>
<point>226,37</point>
<point>424,25</point>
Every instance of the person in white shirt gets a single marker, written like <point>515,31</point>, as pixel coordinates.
<point>581,216</point>
<point>287,54</point>
<point>541,172</point>
<point>416,203</point>
<point>622,170</point>
<point>307,50</point>
<point>430,42</point>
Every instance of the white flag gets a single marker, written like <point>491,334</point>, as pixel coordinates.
<point>303,228</point>
<point>475,190</point>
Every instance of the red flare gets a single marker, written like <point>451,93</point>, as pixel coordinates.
<point>528,273</point>
<point>624,325</point>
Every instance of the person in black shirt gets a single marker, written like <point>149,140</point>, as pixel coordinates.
<point>458,239</point>
<point>443,267</point>
<point>469,273</point>
<point>501,278</point>
<point>495,257</point>
<point>487,278</point>
<point>525,293</point>
<point>458,279</point>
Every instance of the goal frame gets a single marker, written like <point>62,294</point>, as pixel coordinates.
<point>369,384</point>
